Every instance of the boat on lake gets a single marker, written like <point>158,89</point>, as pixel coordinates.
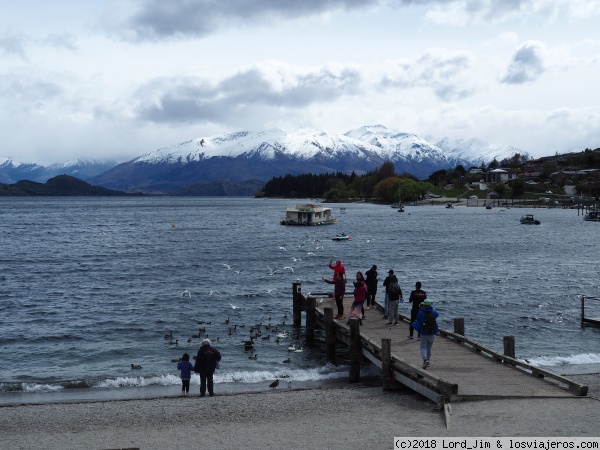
<point>308,214</point>
<point>341,237</point>
<point>528,219</point>
<point>592,216</point>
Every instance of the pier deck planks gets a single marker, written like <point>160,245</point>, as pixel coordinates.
<point>477,375</point>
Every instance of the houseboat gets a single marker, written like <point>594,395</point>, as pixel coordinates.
<point>307,214</point>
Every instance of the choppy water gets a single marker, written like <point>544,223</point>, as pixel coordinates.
<point>89,286</point>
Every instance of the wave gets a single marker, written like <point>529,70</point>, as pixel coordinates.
<point>571,360</point>
<point>326,372</point>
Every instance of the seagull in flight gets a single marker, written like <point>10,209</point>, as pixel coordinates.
<point>296,259</point>
<point>289,267</point>
<point>213,292</point>
<point>237,272</point>
<point>234,306</point>
<point>270,290</point>
<point>201,142</point>
<point>273,271</point>
<point>227,266</point>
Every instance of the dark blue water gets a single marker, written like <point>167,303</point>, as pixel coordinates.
<point>90,286</point>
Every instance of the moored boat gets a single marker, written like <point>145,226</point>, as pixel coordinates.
<point>528,219</point>
<point>341,237</point>
<point>592,216</point>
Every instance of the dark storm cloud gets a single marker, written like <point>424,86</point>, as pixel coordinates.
<point>192,99</point>
<point>157,19</point>
<point>526,65</point>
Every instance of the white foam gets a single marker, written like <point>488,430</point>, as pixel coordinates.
<point>34,387</point>
<point>551,361</point>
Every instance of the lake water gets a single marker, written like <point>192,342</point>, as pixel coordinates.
<point>89,286</point>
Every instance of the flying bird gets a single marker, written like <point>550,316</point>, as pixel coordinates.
<point>234,306</point>
<point>201,142</point>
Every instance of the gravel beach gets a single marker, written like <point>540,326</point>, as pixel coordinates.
<point>348,417</point>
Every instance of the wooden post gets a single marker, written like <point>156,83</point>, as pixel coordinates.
<point>311,319</point>
<point>509,346</point>
<point>582,309</point>
<point>330,335</point>
<point>355,351</point>
<point>387,377</point>
<point>459,326</point>
<point>297,303</point>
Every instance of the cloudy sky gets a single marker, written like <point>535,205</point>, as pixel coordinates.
<point>118,78</point>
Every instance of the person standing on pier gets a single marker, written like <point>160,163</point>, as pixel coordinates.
<point>426,325</point>
<point>360,293</point>
<point>416,298</point>
<point>338,268</point>
<point>391,277</point>
<point>371,286</point>
<point>394,297</point>
<point>338,293</point>
<point>206,363</point>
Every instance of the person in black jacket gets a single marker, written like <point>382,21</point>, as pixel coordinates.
<point>206,362</point>
<point>371,286</point>
<point>417,297</point>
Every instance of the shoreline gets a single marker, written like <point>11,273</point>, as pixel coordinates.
<point>348,416</point>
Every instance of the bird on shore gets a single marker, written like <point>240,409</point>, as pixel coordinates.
<point>274,384</point>
<point>135,367</point>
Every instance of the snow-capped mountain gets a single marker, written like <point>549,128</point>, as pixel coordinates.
<point>477,151</point>
<point>261,155</point>
<point>12,171</point>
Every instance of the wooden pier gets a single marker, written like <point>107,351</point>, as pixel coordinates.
<point>588,320</point>
<point>461,368</point>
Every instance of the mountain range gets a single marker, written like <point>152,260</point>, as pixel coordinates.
<point>220,163</point>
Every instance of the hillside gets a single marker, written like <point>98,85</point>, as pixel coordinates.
<point>62,185</point>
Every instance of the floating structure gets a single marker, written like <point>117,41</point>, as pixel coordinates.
<point>308,214</point>
<point>341,237</point>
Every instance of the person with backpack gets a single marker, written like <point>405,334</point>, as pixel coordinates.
<point>394,297</point>
<point>416,298</point>
<point>426,325</point>
<point>391,277</point>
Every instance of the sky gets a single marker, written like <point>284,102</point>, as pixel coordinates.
<point>114,79</point>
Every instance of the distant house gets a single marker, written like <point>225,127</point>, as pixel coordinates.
<point>474,170</point>
<point>499,176</point>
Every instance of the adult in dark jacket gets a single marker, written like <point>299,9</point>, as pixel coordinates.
<point>371,286</point>
<point>420,324</point>
<point>338,293</point>
<point>391,277</point>
<point>206,362</point>
<point>416,298</point>
<point>394,298</point>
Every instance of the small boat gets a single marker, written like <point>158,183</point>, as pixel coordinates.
<point>342,210</point>
<point>488,206</point>
<point>528,219</point>
<point>400,208</point>
<point>341,237</point>
<point>592,216</point>
<point>449,206</point>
